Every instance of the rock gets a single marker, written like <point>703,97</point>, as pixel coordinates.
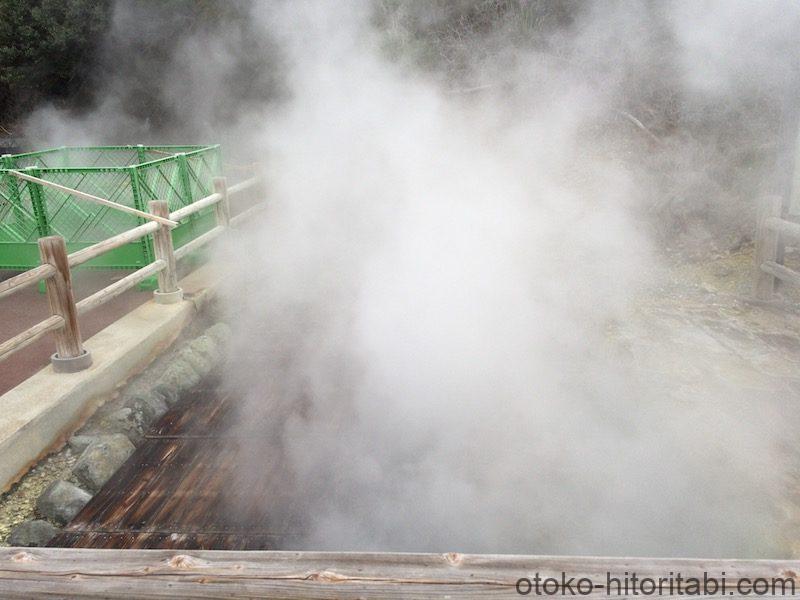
<point>180,376</point>
<point>170,394</point>
<point>209,347</point>
<point>32,534</point>
<point>200,363</point>
<point>146,406</point>
<point>61,501</point>
<point>221,332</point>
<point>101,460</point>
<point>79,442</point>
<point>123,421</point>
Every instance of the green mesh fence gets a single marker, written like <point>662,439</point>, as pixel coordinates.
<point>128,175</point>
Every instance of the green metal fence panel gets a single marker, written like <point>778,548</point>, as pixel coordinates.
<point>128,175</point>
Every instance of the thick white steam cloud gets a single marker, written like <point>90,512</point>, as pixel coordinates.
<point>426,318</point>
<point>438,324</point>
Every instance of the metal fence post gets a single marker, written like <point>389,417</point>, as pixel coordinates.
<point>37,202</point>
<point>168,291</point>
<point>222,209</point>
<point>767,241</point>
<point>70,355</point>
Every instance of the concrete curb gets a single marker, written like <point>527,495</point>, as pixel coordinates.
<point>38,415</point>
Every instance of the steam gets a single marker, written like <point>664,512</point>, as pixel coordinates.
<point>442,323</point>
<point>430,323</point>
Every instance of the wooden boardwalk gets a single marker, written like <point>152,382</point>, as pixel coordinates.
<point>180,489</point>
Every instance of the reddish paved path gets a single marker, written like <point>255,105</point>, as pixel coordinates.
<point>27,307</point>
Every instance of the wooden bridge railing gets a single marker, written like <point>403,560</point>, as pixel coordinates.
<point>56,265</point>
<point>28,573</point>
<point>772,228</point>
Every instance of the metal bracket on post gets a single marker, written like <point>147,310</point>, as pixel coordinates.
<point>168,291</point>
<point>70,356</point>
<point>222,209</point>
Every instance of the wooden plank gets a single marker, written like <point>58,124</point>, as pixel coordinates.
<point>783,273</point>
<point>30,335</point>
<point>82,573</point>
<point>180,490</point>
<point>118,287</point>
<point>53,251</point>
<point>93,198</point>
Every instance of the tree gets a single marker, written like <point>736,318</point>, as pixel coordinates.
<point>46,49</point>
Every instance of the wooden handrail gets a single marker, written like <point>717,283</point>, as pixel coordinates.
<point>32,276</point>
<point>86,254</point>
<point>192,208</point>
<point>771,227</point>
<point>246,215</point>
<point>243,185</point>
<point>69,336</point>
<point>783,273</point>
<point>783,226</point>
<point>200,240</point>
<point>135,573</point>
<point>30,335</point>
<point>211,199</point>
<point>92,198</point>
<point>116,288</point>
<point>23,280</point>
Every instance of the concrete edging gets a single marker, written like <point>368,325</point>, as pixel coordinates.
<point>38,415</point>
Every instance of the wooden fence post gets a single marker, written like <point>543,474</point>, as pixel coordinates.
<point>168,291</point>
<point>222,209</point>
<point>767,241</point>
<point>70,355</point>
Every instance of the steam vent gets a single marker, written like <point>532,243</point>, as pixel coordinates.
<point>399,299</point>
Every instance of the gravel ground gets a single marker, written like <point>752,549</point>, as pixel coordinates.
<point>18,503</point>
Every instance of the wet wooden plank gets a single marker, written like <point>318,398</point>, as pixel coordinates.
<point>179,489</point>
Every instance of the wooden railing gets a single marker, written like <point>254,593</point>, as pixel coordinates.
<point>772,231</point>
<point>56,265</point>
<point>29,573</point>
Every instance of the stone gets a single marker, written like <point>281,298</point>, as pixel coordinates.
<point>180,376</point>
<point>221,332</point>
<point>101,460</point>
<point>170,394</point>
<point>209,347</point>
<point>61,501</point>
<point>35,533</point>
<point>146,406</point>
<point>123,421</point>
<point>79,442</point>
<point>200,363</point>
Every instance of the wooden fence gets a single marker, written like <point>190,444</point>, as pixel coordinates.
<point>772,232</point>
<point>56,265</point>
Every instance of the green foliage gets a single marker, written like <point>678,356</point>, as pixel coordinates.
<point>46,47</point>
